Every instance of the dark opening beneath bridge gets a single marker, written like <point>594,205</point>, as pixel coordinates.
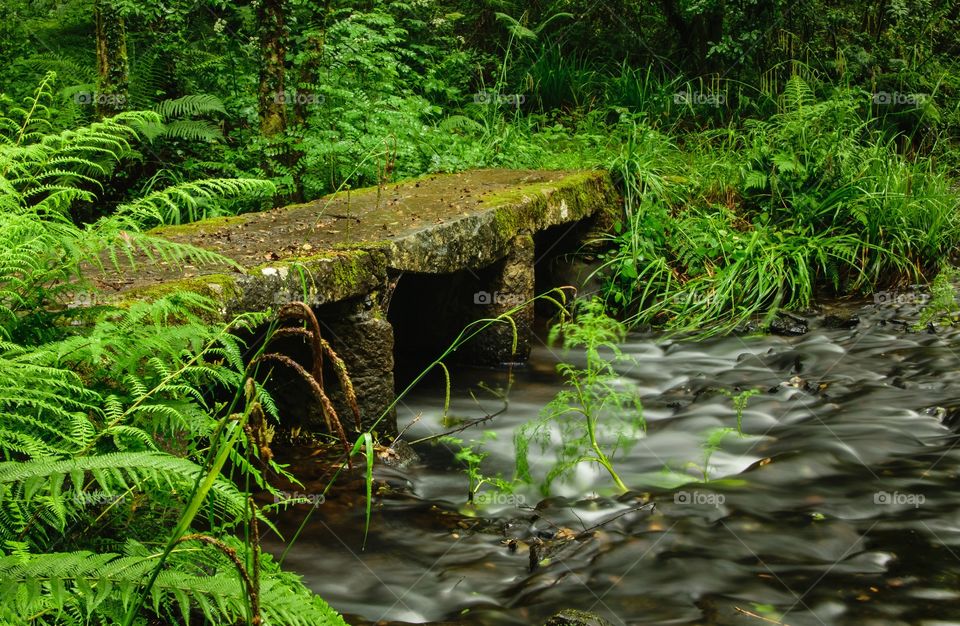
<point>429,311</point>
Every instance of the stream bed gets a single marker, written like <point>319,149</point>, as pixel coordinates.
<point>836,506</point>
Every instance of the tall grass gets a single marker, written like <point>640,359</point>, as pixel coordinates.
<point>561,81</point>
<point>743,221</point>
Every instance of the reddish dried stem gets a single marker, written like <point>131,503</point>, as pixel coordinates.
<point>329,413</point>
<point>300,310</point>
<point>252,588</point>
<point>344,377</point>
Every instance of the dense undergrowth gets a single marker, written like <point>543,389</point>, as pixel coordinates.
<point>754,177</point>
<point>742,222</point>
<point>111,430</point>
<point>767,153</point>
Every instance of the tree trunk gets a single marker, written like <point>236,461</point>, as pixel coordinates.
<point>307,77</point>
<point>112,63</point>
<point>696,33</point>
<point>272,96</point>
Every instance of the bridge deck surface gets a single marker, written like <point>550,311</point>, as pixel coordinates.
<point>434,224</point>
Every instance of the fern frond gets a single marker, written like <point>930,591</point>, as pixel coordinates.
<point>89,587</point>
<point>24,484</point>
<point>454,123</point>
<point>192,130</point>
<point>190,201</point>
<point>190,105</point>
<point>797,93</point>
<point>91,399</point>
<point>61,65</point>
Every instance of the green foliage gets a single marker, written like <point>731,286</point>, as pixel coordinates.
<point>757,220</point>
<point>108,422</point>
<point>711,444</point>
<point>81,586</point>
<point>740,400</point>
<point>943,306</point>
<point>35,491</point>
<point>595,419</point>
<point>192,201</point>
<point>766,152</point>
<point>190,105</point>
<point>472,455</point>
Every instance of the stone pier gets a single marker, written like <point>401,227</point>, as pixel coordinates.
<point>510,287</point>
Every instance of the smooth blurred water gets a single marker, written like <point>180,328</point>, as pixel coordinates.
<point>843,512</point>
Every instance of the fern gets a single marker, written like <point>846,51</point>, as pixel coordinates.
<point>190,201</point>
<point>797,94</point>
<point>176,124</point>
<point>192,130</point>
<point>44,175</point>
<point>57,63</point>
<point>107,414</point>
<point>190,105</point>
<point>44,410</point>
<point>80,587</point>
<point>40,484</point>
<point>460,123</point>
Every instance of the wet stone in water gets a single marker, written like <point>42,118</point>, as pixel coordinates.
<point>573,617</point>
<point>399,455</point>
<point>789,325</point>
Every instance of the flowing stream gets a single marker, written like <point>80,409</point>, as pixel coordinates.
<point>837,506</point>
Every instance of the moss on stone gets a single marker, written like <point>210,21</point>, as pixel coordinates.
<point>381,245</point>
<point>221,288</point>
<point>333,275</point>
<point>439,236</point>
<point>526,206</point>
<point>509,221</point>
<point>185,231</point>
<point>358,270</point>
<point>516,195</point>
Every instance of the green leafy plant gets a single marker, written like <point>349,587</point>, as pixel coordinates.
<point>593,420</point>
<point>943,306</point>
<point>710,445</point>
<point>761,217</point>
<point>740,400</point>
<point>472,455</point>
<point>111,432</point>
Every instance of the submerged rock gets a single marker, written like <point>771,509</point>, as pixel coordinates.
<point>399,454</point>
<point>949,416</point>
<point>789,325</point>
<point>842,322</point>
<point>797,382</point>
<point>573,617</point>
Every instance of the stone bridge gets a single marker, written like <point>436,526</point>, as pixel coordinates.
<point>394,272</point>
